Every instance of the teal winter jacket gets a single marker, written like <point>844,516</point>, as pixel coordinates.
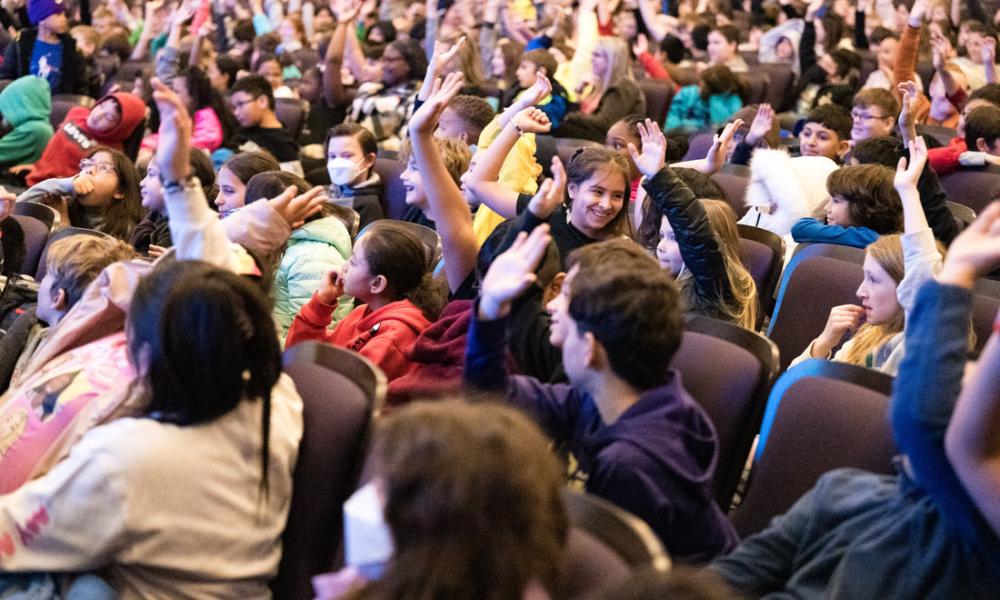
<point>689,111</point>
<point>26,104</point>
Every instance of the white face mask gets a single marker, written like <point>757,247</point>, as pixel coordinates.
<point>342,171</point>
<point>367,539</point>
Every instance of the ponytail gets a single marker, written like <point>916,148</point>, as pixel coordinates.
<point>397,254</point>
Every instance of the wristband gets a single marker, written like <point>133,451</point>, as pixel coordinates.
<point>520,131</point>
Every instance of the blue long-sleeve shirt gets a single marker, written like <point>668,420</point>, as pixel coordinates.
<point>810,230</point>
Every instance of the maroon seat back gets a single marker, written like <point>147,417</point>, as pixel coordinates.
<point>974,188</point>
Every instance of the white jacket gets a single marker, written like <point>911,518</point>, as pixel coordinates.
<point>163,511</point>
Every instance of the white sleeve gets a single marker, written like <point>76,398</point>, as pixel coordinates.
<point>921,263</point>
<point>196,230</point>
<point>72,519</point>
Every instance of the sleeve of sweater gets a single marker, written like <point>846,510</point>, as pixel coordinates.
<point>261,24</point>
<point>935,203</point>
<point>168,65</point>
<point>905,67</point>
<point>614,105</point>
<point>921,263</point>
<point>697,243</point>
<point>555,407</point>
<point>542,42</point>
<point>37,192</point>
<point>258,228</point>
<point>487,42</point>
<point>807,47</point>
<point>310,324</point>
<point>808,229</point>
<point>860,39</point>
<point>742,154</point>
<point>653,67</point>
<point>924,396</point>
<point>947,159</point>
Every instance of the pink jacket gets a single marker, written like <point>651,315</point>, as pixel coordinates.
<point>207,134</point>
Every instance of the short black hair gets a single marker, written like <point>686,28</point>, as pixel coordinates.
<point>673,47</point>
<point>878,150</point>
<point>881,34</point>
<point>256,86</point>
<point>834,117</point>
<point>228,65</point>
<point>982,123</point>
<point>699,37</point>
<point>989,92</point>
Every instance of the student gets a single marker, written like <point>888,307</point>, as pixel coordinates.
<point>104,196</point>
<point>325,92</point>
<point>613,96</point>
<point>351,153</point>
<point>895,268</point>
<point>485,466</point>
<point>698,243</point>
<point>556,105</point>
<point>947,159</point>
<point>236,173</point>
<point>315,247</point>
<point>269,67</point>
<point>875,113</point>
<point>87,40</point>
<point>46,50</point>
<point>708,104</point>
<point>388,271</point>
<point>663,63</point>
<point>113,120</point>
<point>722,43</point>
<point>465,119</point>
<point>25,105</point>
<point>826,132</point>
<point>863,205</point>
<point>456,156</point>
<point>71,265</point>
<point>640,440</point>
<point>253,107</point>
<point>151,236</point>
<point>203,102</point>
<point>915,534</point>
<point>982,132</point>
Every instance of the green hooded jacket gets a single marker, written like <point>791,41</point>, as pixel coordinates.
<point>26,104</point>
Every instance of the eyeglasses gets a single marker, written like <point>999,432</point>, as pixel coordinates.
<point>238,104</point>
<point>865,116</point>
<point>99,168</point>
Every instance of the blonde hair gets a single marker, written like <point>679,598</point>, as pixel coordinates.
<point>743,311</point>
<point>455,154</point>
<point>76,261</point>
<point>887,251</point>
<point>619,62</point>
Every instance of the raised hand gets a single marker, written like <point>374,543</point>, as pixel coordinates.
<point>347,11</point>
<point>907,175</point>
<point>331,286</point>
<point>761,125</point>
<point>989,50</point>
<point>908,113</point>
<point>426,118</point>
<point>717,153</point>
<point>532,120</point>
<point>940,47</point>
<point>975,252</point>
<point>918,12</point>
<point>641,45</point>
<point>654,149</point>
<point>296,209</point>
<point>511,273</point>
<point>83,184</point>
<point>174,155</point>
<point>814,6</point>
<point>442,55</point>
<point>843,319</point>
<point>552,192</point>
<point>537,92</point>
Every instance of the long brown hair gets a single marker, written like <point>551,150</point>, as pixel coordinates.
<point>473,500</point>
<point>582,167</point>
<point>124,213</point>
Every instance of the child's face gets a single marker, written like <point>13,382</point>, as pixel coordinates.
<point>597,201</point>
<point>968,108</point>
<point>886,52</point>
<point>271,71</point>
<point>105,116</point>
<point>600,62</point>
<point>81,42</point>
<point>103,25</point>
<point>464,180</point>
<point>232,192</point>
<point>100,169</point>
<point>618,139</point>
<point>357,273</point>
<point>838,213</point>
<point>248,110</point>
<point>878,294</point>
<point>287,31</point>
<point>558,309</point>
<point>974,46</point>
<point>668,253</point>
<point>152,190</point>
<point>451,126</point>
<point>720,51</point>
<point>46,309</point>
<point>414,185</point>
<point>215,76</point>
<point>817,140</point>
<point>56,23</point>
<point>311,87</point>
<point>869,122</point>
<point>526,73</point>
<point>785,50</point>
<point>498,64</point>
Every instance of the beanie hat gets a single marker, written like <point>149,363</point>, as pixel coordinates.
<point>39,10</point>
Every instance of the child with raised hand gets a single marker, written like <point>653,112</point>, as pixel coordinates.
<point>895,268</point>
<point>104,196</point>
<point>640,440</point>
<point>388,271</point>
<point>706,266</point>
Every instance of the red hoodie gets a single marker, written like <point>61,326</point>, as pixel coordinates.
<point>382,336</point>
<point>74,141</point>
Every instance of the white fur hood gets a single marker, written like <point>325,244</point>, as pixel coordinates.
<point>793,187</point>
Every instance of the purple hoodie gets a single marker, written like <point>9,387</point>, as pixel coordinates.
<point>656,461</point>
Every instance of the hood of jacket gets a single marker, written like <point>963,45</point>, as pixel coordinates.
<point>403,312</point>
<point>328,230</point>
<point>786,188</point>
<point>26,99</point>
<point>668,426</point>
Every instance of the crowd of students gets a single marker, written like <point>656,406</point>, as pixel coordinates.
<point>148,436</point>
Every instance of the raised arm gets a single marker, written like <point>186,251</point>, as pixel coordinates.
<point>650,16</point>
<point>440,54</point>
<point>941,48</point>
<point>139,52</point>
<point>484,179</point>
<point>990,58</point>
<point>333,82</point>
<point>447,206</point>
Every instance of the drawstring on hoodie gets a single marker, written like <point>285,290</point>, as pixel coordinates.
<point>361,341</point>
